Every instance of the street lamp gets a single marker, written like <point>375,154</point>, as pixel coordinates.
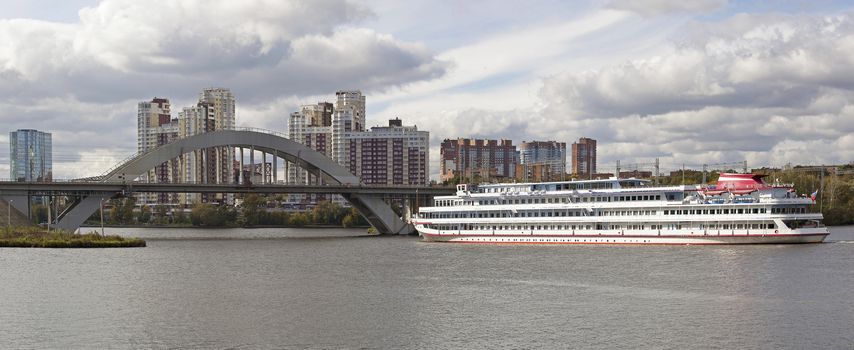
<point>9,218</point>
<point>102,216</point>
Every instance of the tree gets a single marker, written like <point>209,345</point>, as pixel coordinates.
<point>327,212</point>
<point>225,216</point>
<point>160,214</point>
<point>178,216</point>
<point>39,213</point>
<point>116,208</point>
<point>298,219</point>
<point>353,219</point>
<point>127,210</point>
<point>144,214</point>
<point>200,213</point>
<point>251,209</point>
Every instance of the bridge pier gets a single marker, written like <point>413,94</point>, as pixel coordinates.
<point>76,214</point>
<point>19,201</point>
<point>380,215</point>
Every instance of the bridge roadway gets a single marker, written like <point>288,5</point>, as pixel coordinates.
<point>85,187</point>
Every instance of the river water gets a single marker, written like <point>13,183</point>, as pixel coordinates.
<point>310,289</point>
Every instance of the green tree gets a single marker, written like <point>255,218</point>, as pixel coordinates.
<point>144,214</point>
<point>160,216</point>
<point>353,219</point>
<point>39,213</point>
<point>200,214</point>
<point>116,209</point>
<point>179,217</point>
<point>252,209</point>
<point>225,216</point>
<point>127,210</point>
<point>327,212</point>
<point>298,219</point>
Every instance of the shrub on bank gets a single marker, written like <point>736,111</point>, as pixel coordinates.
<point>34,237</point>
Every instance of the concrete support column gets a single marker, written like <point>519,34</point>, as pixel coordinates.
<point>204,166</point>
<point>263,167</point>
<point>252,164</point>
<point>240,177</point>
<point>275,168</point>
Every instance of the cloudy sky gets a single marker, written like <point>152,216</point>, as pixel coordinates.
<point>704,81</point>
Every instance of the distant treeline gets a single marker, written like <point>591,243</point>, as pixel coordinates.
<point>252,212</point>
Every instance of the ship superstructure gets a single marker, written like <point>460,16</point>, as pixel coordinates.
<point>739,209</point>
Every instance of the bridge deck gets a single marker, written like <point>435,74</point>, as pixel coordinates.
<point>37,188</point>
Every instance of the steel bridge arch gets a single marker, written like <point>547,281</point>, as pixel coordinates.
<point>376,211</point>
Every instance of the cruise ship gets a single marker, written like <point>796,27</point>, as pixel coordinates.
<point>739,209</point>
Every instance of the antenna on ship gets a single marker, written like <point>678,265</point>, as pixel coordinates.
<point>656,171</point>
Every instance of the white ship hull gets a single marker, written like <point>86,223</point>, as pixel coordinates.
<point>812,236</point>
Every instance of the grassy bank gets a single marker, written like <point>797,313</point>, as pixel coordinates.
<point>35,237</point>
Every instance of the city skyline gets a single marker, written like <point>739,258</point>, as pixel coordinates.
<point>706,82</point>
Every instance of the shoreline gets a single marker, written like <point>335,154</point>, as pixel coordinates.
<point>227,227</point>
<point>30,237</point>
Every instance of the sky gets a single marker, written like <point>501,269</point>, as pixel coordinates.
<point>687,82</point>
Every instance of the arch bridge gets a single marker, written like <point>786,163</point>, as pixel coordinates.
<point>369,203</point>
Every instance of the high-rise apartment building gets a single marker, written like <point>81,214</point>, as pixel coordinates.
<point>215,110</point>
<point>311,126</point>
<point>487,159</point>
<point>386,155</point>
<point>348,117</point>
<point>390,155</point>
<point>584,157</point>
<point>31,155</point>
<point>211,165</point>
<point>541,161</point>
<point>155,127</point>
<point>220,105</point>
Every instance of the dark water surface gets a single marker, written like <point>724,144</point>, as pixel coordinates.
<point>277,288</point>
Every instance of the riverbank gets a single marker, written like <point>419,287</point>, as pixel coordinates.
<point>189,226</point>
<point>31,237</point>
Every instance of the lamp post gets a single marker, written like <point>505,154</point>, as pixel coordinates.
<point>102,216</point>
<point>9,218</point>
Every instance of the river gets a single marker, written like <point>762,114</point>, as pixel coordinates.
<point>314,288</point>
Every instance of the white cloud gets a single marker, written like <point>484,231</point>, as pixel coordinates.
<point>83,77</point>
<point>772,89</point>
<point>759,88</point>
<point>659,7</point>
